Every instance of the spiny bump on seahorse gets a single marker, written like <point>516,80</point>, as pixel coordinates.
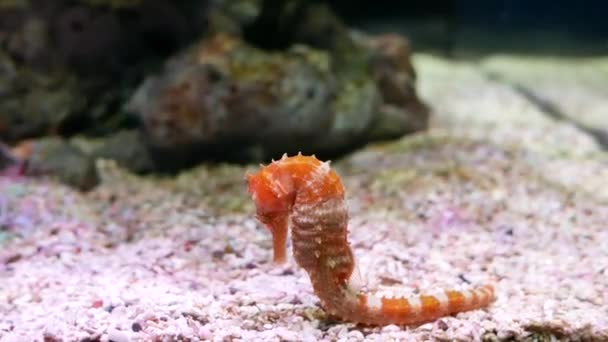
<point>305,194</point>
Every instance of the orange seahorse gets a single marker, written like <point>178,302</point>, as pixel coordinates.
<point>306,194</point>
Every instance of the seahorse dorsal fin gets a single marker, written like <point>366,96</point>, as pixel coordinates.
<point>356,281</point>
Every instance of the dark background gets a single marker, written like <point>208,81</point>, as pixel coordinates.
<point>471,27</point>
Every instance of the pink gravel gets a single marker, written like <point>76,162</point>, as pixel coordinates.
<point>145,259</point>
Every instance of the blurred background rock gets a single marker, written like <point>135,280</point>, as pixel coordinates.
<point>161,85</point>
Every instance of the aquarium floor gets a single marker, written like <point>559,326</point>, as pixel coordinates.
<point>497,191</point>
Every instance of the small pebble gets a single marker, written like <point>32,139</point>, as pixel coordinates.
<point>136,327</point>
<point>116,335</point>
<point>441,324</point>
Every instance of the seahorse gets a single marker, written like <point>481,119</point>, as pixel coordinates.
<point>305,194</point>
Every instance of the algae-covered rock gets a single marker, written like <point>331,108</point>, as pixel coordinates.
<point>68,66</point>
<point>61,159</point>
<point>34,104</point>
<point>401,111</point>
<point>225,88</point>
<point>128,149</point>
<point>259,78</point>
<point>223,93</point>
<point>6,158</point>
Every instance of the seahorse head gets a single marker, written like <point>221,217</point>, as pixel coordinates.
<point>273,192</point>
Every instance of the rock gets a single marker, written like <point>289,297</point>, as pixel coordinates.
<point>70,65</point>
<point>128,149</point>
<point>6,158</point>
<point>392,122</point>
<point>59,158</point>
<point>401,110</point>
<point>223,93</point>
<point>262,77</point>
<point>38,104</point>
<point>391,67</point>
<point>97,38</point>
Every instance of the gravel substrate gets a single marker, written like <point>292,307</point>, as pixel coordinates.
<point>153,259</point>
<point>144,259</point>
